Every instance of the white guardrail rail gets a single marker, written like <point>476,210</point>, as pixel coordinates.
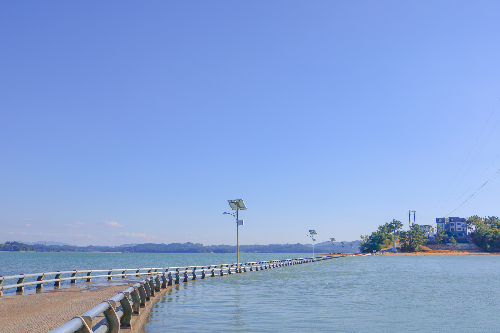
<point>118,310</point>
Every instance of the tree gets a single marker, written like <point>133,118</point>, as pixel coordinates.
<point>394,226</point>
<point>440,235</point>
<point>485,232</point>
<point>453,240</point>
<point>412,239</point>
<point>382,238</point>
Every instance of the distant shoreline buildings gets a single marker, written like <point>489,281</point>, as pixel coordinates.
<point>456,226</point>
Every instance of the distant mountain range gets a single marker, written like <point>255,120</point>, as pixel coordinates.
<point>324,247</point>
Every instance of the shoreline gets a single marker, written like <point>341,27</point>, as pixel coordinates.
<point>447,253</point>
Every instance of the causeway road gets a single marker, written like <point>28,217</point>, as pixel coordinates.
<point>45,311</point>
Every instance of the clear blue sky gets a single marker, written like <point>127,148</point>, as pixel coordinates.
<point>127,122</point>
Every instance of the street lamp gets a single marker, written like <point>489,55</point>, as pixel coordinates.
<point>313,233</point>
<point>332,240</point>
<point>237,205</point>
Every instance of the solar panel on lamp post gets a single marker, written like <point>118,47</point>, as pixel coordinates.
<point>237,205</point>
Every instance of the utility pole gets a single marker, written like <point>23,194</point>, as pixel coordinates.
<point>409,217</point>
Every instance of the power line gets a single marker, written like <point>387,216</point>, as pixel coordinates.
<point>473,161</point>
<point>460,169</point>
<point>493,177</point>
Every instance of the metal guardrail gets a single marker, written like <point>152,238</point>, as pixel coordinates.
<point>39,279</point>
<point>132,299</point>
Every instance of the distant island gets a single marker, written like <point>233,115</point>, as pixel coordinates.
<point>325,247</point>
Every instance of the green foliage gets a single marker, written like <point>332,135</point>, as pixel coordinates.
<point>16,246</point>
<point>485,232</point>
<point>411,240</point>
<point>382,238</point>
<point>440,235</point>
<point>453,240</point>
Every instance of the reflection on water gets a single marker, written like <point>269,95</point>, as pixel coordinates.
<point>370,294</point>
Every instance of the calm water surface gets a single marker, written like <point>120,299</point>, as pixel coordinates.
<point>355,294</point>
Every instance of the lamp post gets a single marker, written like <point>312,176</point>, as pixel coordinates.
<point>332,240</point>
<point>313,233</point>
<point>237,205</point>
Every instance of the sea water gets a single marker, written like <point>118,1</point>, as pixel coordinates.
<point>350,294</point>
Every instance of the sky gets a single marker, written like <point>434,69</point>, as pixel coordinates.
<point>134,122</point>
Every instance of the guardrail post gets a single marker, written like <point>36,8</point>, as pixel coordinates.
<point>186,277</point>
<point>213,272</point>
<point>110,274</point>
<point>39,287</point>
<point>157,283</point>
<point>177,277</point>
<point>229,269</point>
<point>137,272</point>
<point>112,318</point>
<point>124,274</point>
<point>203,274</point>
<point>244,269</point>
<point>142,294</point>
<point>170,279</point>
<point>57,284</point>
<point>149,272</point>
<point>221,270</point>
<point>154,284</point>
<point>20,289</point>
<point>194,273</point>
<point>136,300</point>
<point>89,276</point>
<point>148,290</point>
<point>73,275</point>
<point>127,311</point>
<point>87,324</point>
<point>163,281</point>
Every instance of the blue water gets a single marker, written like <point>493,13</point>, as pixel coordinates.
<point>12,263</point>
<point>352,294</point>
